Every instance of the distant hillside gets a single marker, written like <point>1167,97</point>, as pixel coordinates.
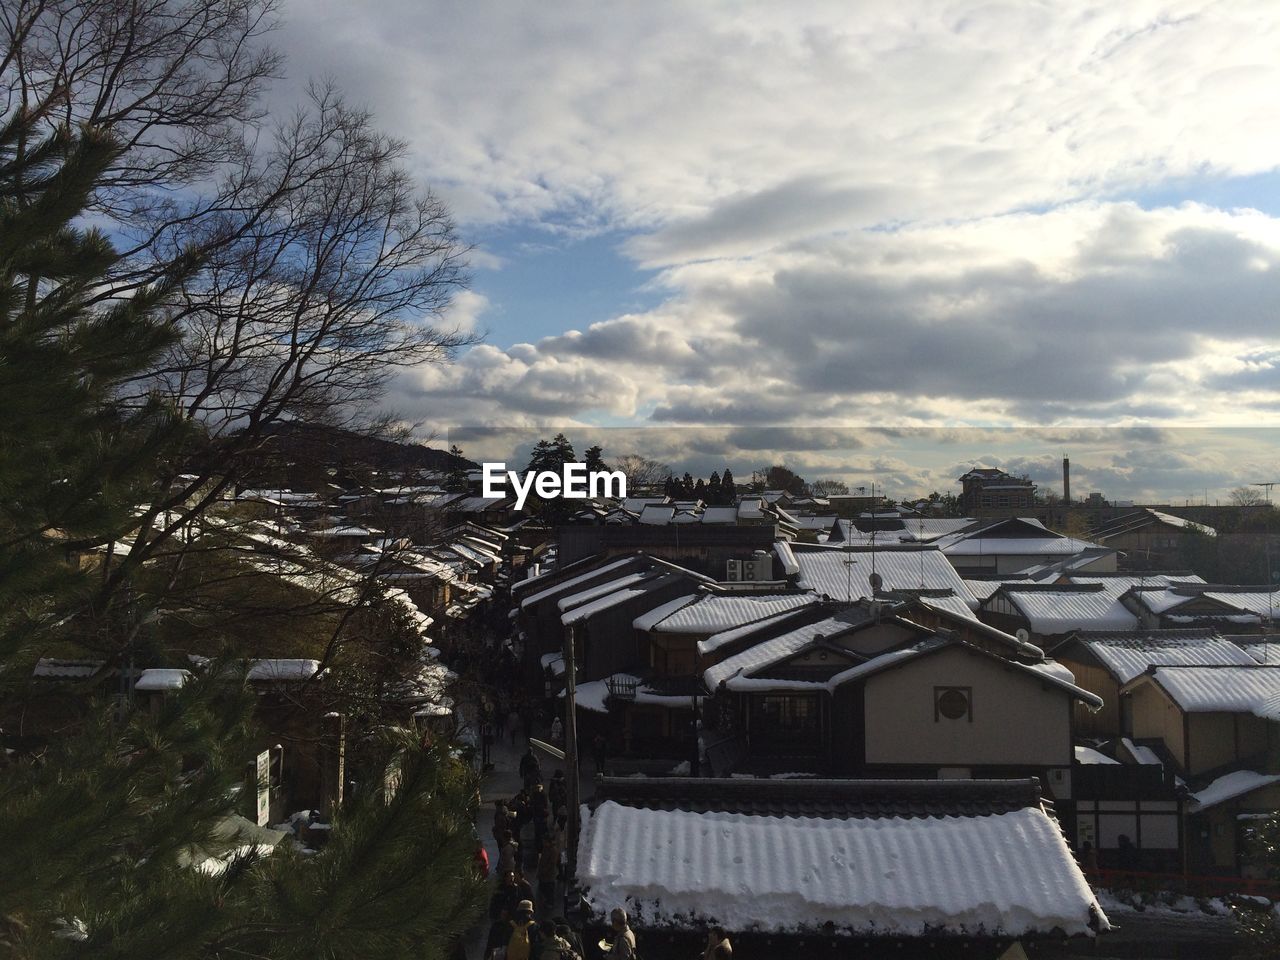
<point>304,454</point>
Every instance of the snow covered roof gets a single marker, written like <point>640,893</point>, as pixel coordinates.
<point>712,613</point>
<point>1049,611</point>
<point>1005,874</point>
<point>1173,521</point>
<point>283,669</point>
<point>1261,649</point>
<point>162,679</point>
<point>1052,673</point>
<point>718,640</point>
<point>1090,755</point>
<point>1199,689</point>
<point>786,558</point>
<point>771,651</point>
<point>657,513</point>
<point>846,574</point>
<point>985,588</point>
<point>1141,754</point>
<point>54,668</point>
<point>600,590</point>
<point>346,531</point>
<point>575,581</point>
<point>1228,787</point>
<point>961,545</point>
<point>1128,656</point>
<point>611,599</point>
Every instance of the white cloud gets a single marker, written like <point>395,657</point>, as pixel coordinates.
<point>895,213</point>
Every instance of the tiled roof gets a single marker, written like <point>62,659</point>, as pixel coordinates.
<point>1127,655</point>
<point>1200,689</point>
<point>986,874</point>
<point>711,613</point>
<point>846,574</point>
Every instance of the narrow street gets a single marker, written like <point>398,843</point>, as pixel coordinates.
<point>502,782</point>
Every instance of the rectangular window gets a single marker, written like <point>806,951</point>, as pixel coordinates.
<point>775,715</point>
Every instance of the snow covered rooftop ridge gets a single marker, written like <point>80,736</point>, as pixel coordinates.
<point>1047,672</point>
<point>1229,787</point>
<point>1003,874</point>
<point>283,669</point>
<point>845,574</point>
<point>599,590</point>
<point>1128,656</point>
<point>718,640</point>
<point>1062,608</point>
<point>613,598</point>
<point>580,579</point>
<point>1251,689</point>
<point>155,679</point>
<point>712,613</point>
<point>771,651</point>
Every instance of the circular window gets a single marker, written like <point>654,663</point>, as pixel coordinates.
<point>953,704</point>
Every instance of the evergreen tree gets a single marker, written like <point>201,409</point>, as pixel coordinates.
<point>714,492</point>
<point>561,451</point>
<point>541,458</point>
<point>100,826</point>
<point>456,481</point>
<point>595,459</point>
<point>700,490</point>
<point>671,488</point>
<point>686,486</point>
<point>728,490</point>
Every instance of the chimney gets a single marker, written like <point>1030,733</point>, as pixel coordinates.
<point>1066,480</point>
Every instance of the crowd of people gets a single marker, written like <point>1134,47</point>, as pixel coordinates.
<point>527,907</point>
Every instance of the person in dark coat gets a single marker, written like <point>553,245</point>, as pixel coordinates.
<point>530,769</point>
<point>559,793</point>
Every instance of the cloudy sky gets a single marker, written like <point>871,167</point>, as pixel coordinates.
<point>809,215</point>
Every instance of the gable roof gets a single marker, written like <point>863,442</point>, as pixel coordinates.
<point>1004,870</point>
<point>712,613</point>
<point>1050,673</point>
<point>1145,517</point>
<point>1236,784</point>
<point>1212,689</point>
<point>1051,609</point>
<point>845,574</point>
<point>1128,655</point>
<point>778,648</point>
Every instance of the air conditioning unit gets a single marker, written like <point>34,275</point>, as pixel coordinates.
<point>758,568</point>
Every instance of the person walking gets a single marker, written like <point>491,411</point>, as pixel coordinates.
<point>623,944</point>
<point>524,936</point>
<point>508,854</point>
<point>530,769</point>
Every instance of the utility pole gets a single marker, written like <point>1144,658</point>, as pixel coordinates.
<point>571,745</point>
